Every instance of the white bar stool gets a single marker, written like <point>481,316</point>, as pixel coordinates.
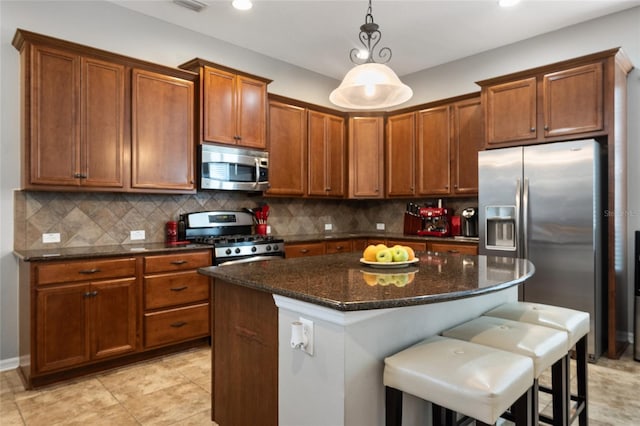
<point>475,380</point>
<point>577,325</point>
<point>545,346</point>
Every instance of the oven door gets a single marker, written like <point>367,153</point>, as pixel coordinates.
<point>235,169</point>
<point>248,259</point>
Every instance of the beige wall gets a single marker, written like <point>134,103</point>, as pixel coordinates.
<point>108,26</point>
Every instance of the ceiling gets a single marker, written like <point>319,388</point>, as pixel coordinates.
<point>318,35</point>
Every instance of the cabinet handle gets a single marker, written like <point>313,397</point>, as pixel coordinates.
<point>89,271</point>
<point>454,251</point>
<point>179,288</point>
<point>178,324</point>
<point>533,129</point>
<point>327,189</point>
<point>79,175</point>
<point>91,294</point>
<point>339,248</point>
<point>546,127</point>
<point>304,251</point>
<point>178,262</point>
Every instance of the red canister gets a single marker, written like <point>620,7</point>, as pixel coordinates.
<point>172,231</point>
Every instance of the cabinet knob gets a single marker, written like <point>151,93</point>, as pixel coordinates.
<point>533,129</point>
<point>546,127</point>
<point>79,175</point>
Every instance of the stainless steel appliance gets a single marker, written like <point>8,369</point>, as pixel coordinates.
<point>636,331</point>
<point>542,203</point>
<point>470,222</point>
<point>230,234</point>
<point>236,169</point>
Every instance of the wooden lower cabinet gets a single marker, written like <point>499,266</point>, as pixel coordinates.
<point>81,316</point>
<point>415,245</point>
<point>338,246</point>
<point>244,388</point>
<point>454,248</point>
<point>304,249</point>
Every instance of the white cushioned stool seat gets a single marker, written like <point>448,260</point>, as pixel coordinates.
<point>543,345</point>
<point>575,323</point>
<point>475,380</point>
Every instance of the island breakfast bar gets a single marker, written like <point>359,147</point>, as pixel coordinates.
<point>360,315</point>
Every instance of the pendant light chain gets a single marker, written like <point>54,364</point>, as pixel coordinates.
<point>369,36</point>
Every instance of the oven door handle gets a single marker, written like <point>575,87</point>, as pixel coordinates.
<point>249,259</point>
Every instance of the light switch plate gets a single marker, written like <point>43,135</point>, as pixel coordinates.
<point>51,238</point>
<point>380,226</point>
<point>137,235</point>
<point>328,226</point>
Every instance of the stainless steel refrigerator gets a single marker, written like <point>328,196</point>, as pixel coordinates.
<point>542,203</point>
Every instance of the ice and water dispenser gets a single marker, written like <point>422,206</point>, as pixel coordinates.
<point>501,228</point>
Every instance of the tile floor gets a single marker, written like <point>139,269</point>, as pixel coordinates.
<point>175,390</point>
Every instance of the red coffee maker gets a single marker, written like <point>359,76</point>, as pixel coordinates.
<point>436,221</point>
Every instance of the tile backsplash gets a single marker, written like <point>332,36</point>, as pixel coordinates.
<point>89,219</point>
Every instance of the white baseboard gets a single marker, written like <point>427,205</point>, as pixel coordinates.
<point>9,364</point>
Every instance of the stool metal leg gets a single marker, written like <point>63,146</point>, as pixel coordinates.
<point>393,407</point>
<point>523,407</point>
<point>581,368</point>
<point>560,394</point>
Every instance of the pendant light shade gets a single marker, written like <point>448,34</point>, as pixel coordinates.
<point>370,84</point>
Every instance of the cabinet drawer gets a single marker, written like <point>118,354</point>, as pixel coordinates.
<point>415,245</point>
<point>455,248</point>
<point>179,288</point>
<point>176,325</point>
<point>342,246</point>
<point>300,250</point>
<point>84,270</point>
<point>177,261</point>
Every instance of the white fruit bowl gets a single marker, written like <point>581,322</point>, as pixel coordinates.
<point>389,264</point>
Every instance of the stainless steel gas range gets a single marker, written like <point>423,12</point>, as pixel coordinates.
<point>230,234</point>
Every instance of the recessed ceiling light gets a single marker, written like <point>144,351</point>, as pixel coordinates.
<point>242,4</point>
<point>508,3</point>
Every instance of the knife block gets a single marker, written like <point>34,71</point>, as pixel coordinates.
<point>412,224</point>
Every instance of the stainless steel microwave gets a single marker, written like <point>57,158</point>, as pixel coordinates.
<point>234,169</point>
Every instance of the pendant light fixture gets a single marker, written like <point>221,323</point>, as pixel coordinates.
<point>370,84</point>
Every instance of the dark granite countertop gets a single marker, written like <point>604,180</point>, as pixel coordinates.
<point>70,253</point>
<point>341,282</point>
<point>307,238</point>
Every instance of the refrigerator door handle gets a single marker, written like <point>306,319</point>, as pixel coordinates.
<point>525,218</point>
<point>517,220</point>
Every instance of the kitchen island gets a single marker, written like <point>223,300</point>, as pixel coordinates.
<point>360,315</point>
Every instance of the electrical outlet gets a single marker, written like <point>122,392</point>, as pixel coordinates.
<point>51,238</point>
<point>307,327</point>
<point>328,226</point>
<point>380,226</point>
<point>137,235</point>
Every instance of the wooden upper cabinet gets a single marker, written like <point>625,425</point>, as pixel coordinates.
<point>233,106</point>
<point>326,154</point>
<point>511,111</point>
<point>572,100</point>
<point>366,157</point>
<point>75,109</point>
<point>546,104</point>
<point>433,151</point>
<point>467,140</point>
<point>400,155</point>
<point>163,144</point>
<point>287,149</point>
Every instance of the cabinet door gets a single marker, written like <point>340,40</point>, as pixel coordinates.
<point>433,159</point>
<point>468,139</point>
<point>401,142</point>
<point>62,331</point>
<point>102,124</point>
<point>415,245</point>
<point>511,111</point>
<point>338,246</point>
<point>304,249</point>
<point>54,132</point>
<point>326,154</point>
<point>366,157</point>
<point>252,112</point>
<point>287,149</point>
<point>454,248</point>
<point>163,134</point>
<point>219,107</point>
<point>572,101</point>
<point>113,317</point>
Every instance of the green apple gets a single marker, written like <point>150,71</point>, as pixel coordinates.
<point>400,280</point>
<point>399,254</point>
<point>384,280</point>
<point>384,255</point>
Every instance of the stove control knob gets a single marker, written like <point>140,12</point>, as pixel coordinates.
<point>238,250</point>
<point>228,251</point>
<point>268,248</point>
<point>254,249</point>
<point>275,247</point>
